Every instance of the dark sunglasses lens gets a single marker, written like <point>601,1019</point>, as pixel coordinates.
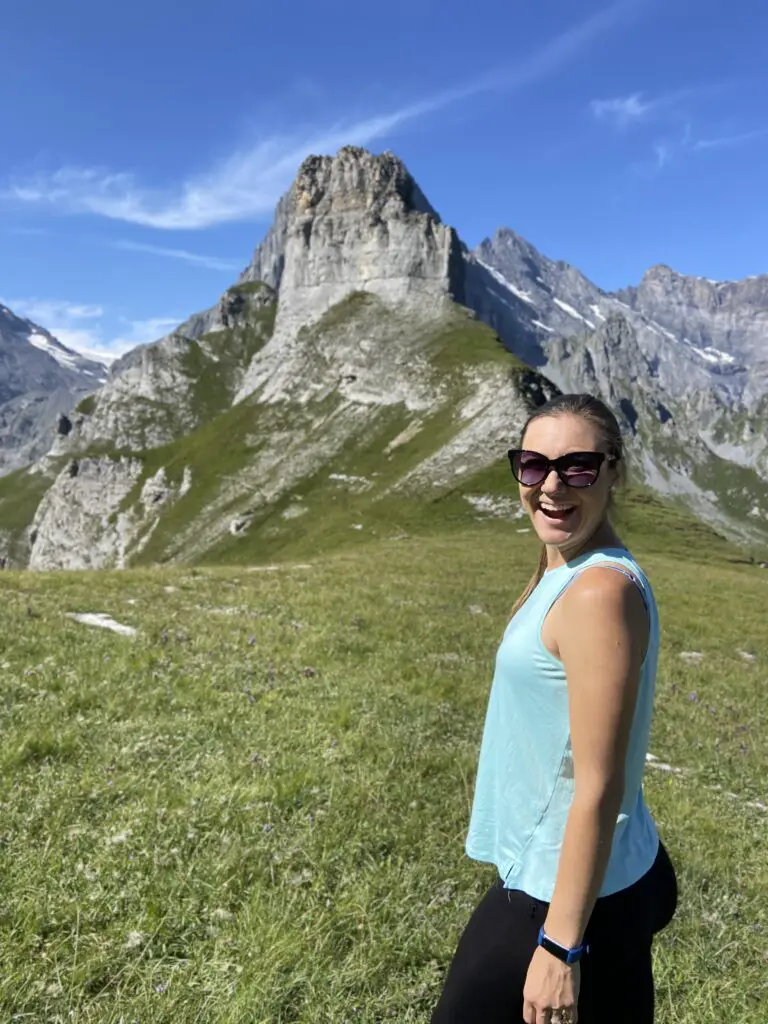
<point>530,470</point>
<point>580,471</point>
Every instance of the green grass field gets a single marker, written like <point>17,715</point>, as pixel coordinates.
<point>254,809</point>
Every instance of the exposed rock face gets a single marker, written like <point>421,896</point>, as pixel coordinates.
<point>40,379</point>
<point>74,526</point>
<point>717,398</point>
<point>364,376</point>
<point>560,300</point>
<point>354,223</point>
<point>80,524</point>
<point>719,317</point>
<point>156,392</point>
<point>269,258</point>
<point>344,332</point>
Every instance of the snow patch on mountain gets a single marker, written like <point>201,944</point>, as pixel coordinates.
<point>711,355</point>
<point>566,308</point>
<point>59,353</point>
<point>517,292</point>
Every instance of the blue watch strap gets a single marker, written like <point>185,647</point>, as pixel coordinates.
<point>568,956</point>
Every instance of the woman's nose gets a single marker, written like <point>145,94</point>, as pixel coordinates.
<point>552,483</point>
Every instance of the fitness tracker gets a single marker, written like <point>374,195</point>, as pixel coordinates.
<point>568,956</point>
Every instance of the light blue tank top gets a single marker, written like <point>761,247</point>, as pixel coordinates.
<point>525,785</point>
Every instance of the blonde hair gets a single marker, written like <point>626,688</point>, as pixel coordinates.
<point>600,416</point>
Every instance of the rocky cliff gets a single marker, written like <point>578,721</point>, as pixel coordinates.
<point>698,413</point>
<point>347,383</point>
<point>720,318</point>
<point>40,381</point>
<point>351,223</point>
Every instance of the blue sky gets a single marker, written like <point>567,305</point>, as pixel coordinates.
<point>145,145</point>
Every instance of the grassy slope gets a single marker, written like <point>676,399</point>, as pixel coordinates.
<point>254,810</point>
<point>215,363</point>
<point>213,366</point>
<point>733,490</point>
<point>223,448</point>
<point>220,451</point>
<point>20,494</point>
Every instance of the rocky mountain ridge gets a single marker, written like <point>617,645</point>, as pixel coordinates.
<point>355,328</point>
<point>40,380</point>
<point>697,415</point>
<point>720,318</point>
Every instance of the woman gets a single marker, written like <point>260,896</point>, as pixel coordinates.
<point>564,934</point>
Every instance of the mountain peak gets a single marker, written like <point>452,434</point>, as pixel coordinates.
<point>353,187</point>
<point>354,222</point>
<point>360,176</point>
<point>41,380</point>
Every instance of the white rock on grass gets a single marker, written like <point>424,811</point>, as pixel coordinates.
<point>278,568</point>
<point>662,766</point>
<point>491,504</point>
<point>102,620</point>
<point>694,657</point>
<point>294,511</point>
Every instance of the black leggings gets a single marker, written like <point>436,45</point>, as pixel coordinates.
<point>486,978</point>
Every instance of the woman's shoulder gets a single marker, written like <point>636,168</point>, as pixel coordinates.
<point>612,589</point>
<point>610,566</point>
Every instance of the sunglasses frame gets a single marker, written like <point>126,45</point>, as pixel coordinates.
<point>558,465</point>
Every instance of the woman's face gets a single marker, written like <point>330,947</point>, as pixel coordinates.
<point>566,517</point>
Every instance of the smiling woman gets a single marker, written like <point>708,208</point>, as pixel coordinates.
<point>565,932</point>
<point>584,512</point>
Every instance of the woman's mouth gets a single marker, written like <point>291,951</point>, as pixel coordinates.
<point>557,513</point>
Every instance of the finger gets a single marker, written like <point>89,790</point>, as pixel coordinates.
<point>544,1016</point>
<point>529,1012</point>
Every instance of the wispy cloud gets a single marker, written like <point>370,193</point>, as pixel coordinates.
<point>621,111</point>
<point>674,105</point>
<point>248,183</point>
<point>683,145</point>
<point>86,328</point>
<point>140,332</point>
<point>663,153</point>
<point>210,262</point>
<point>730,141</point>
<point>101,345</point>
<point>673,114</point>
<point>45,311</point>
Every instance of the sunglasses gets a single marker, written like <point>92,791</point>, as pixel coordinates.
<point>576,469</point>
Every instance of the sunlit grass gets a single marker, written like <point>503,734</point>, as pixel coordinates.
<point>254,810</point>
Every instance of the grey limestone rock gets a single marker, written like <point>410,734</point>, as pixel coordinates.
<point>360,273</point>
<point>350,223</point>
<point>76,525</point>
<point>718,317</point>
<point>40,380</point>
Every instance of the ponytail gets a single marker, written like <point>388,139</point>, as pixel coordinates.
<point>533,582</point>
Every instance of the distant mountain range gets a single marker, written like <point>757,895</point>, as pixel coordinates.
<point>362,312</point>
<point>39,380</point>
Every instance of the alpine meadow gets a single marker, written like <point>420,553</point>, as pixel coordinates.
<point>254,581</point>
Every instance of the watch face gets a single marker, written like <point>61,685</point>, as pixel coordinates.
<point>568,956</point>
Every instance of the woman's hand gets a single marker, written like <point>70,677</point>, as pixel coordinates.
<point>550,986</point>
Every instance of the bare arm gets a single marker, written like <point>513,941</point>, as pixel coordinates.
<point>601,633</point>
